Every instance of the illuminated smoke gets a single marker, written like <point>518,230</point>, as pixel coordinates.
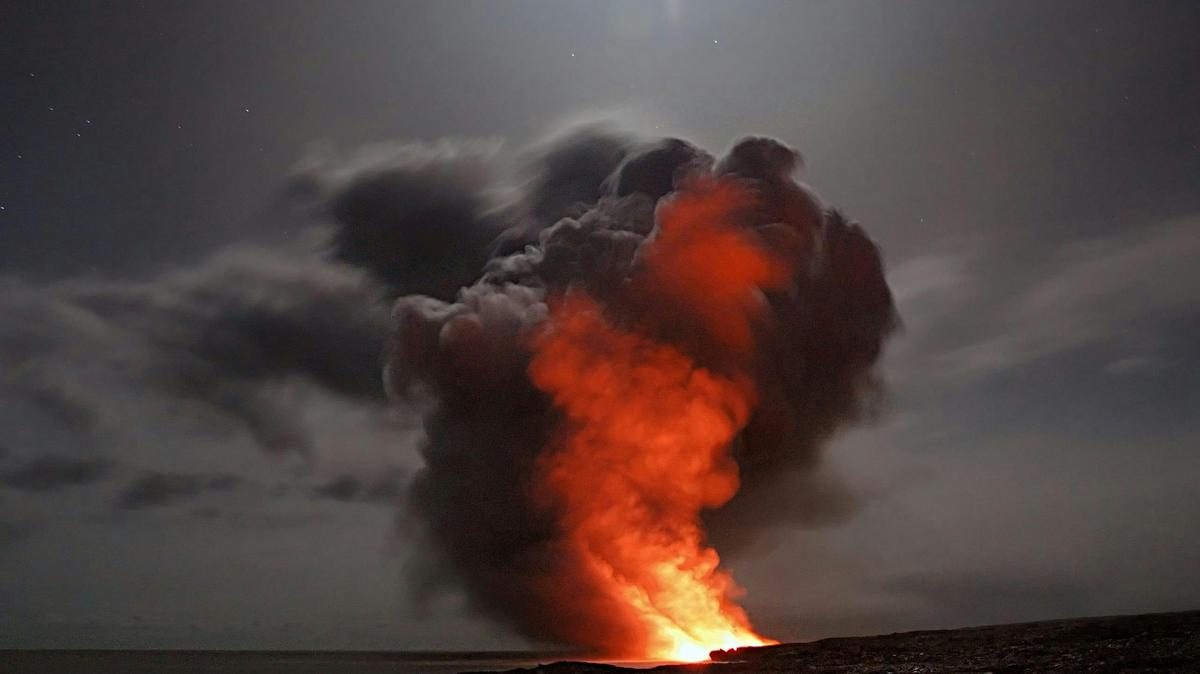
<point>620,367</point>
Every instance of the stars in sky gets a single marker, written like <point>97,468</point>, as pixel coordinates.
<point>88,122</point>
<point>574,54</point>
<point>77,127</point>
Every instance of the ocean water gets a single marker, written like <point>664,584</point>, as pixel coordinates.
<point>267,662</point>
<point>262,662</point>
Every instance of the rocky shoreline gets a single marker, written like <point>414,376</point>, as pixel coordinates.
<point>1161,642</point>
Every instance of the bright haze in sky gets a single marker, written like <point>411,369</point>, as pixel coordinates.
<point>169,477</point>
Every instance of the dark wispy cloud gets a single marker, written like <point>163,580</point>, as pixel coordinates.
<point>386,488</point>
<point>50,472</point>
<point>154,489</point>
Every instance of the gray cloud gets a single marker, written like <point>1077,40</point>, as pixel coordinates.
<point>207,339</point>
<point>250,367</point>
<point>1112,290</point>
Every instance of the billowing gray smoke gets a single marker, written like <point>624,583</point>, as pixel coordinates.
<point>580,222</point>
<point>212,344</point>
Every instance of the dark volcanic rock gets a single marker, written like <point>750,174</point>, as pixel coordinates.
<point>1162,642</point>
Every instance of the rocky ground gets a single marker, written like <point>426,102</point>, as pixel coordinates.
<point>1165,642</point>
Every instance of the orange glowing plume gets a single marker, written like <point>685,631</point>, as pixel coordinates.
<point>644,447</point>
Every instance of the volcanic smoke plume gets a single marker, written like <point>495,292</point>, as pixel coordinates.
<point>653,355</point>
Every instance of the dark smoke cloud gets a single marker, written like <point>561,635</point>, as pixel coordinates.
<point>51,472</point>
<point>568,173</point>
<point>488,424</point>
<point>155,489</point>
<point>417,217</point>
<point>656,168</point>
<point>474,252</point>
<point>815,377</point>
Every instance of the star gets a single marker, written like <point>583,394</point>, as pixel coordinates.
<point>714,41</point>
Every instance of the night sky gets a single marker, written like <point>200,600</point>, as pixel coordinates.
<point>1029,169</point>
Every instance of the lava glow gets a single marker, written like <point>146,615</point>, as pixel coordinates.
<point>644,446</point>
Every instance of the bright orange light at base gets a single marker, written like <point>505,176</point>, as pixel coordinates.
<point>644,447</point>
<point>687,649</point>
